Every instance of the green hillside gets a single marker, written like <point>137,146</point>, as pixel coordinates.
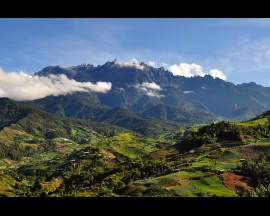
<point>216,160</point>
<point>28,130</point>
<point>48,155</point>
<point>35,146</point>
<point>77,106</point>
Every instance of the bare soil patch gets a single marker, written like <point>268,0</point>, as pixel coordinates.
<point>60,147</point>
<point>246,136</point>
<point>107,153</point>
<point>236,182</point>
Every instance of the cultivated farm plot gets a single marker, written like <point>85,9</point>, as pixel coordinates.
<point>7,185</point>
<point>189,183</point>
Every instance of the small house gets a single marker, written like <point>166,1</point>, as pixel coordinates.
<point>221,171</point>
<point>242,160</point>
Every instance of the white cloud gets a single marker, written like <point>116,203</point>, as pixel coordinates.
<point>151,85</point>
<point>132,63</point>
<point>203,87</point>
<point>191,70</point>
<point>187,70</point>
<point>248,54</point>
<point>154,94</point>
<point>23,86</point>
<point>152,64</point>
<point>151,89</point>
<point>188,92</point>
<point>165,65</point>
<point>217,74</point>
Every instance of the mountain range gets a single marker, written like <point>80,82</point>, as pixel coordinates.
<point>155,91</point>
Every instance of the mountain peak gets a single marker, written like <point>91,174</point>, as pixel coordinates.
<point>82,67</point>
<point>134,63</point>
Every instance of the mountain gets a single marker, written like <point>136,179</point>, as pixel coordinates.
<point>132,88</point>
<point>76,106</point>
<point>179,115</point>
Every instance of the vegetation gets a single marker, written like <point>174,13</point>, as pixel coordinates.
<point>47,155</point>
<point>260,172</point>
<point>77,106</point>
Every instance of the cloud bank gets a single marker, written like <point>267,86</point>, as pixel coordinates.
<point>151,89</point>
<point>191,70</point>
<point>132,63</point>
<point>23,86</point>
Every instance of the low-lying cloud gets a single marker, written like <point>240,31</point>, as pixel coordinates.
<point>132,63</point>
<point>22,86</point>
<point>191,70</point>
<point>152,85</point>
<point>150,89</point>
<point>152,64</point>
<point>218,74</point>
<point>188,92</point>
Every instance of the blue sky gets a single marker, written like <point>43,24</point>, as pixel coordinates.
<point>240,48</point>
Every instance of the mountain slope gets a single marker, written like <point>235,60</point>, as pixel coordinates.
<point>76,107</point>
<point>140,123</point>
<point>245,113</point>
<point>179,115</point>
<point>10,112</point>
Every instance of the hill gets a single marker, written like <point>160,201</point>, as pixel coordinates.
<point>25,130</point>
<point>40,153</point>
